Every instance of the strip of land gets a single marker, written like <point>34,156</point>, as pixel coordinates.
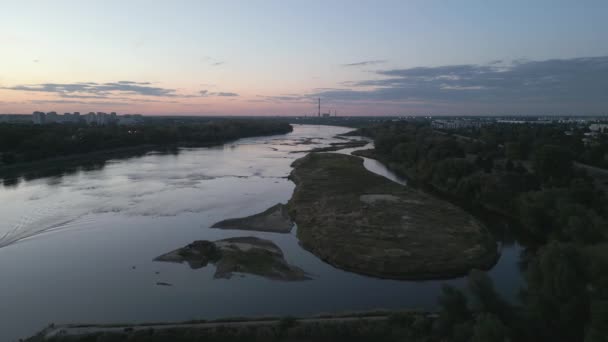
<point>365,326</point>
<point>274,219</point>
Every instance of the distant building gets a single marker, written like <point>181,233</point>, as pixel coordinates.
<point>126,121</point>
<point>90,118</point>
<point>521,122</point>
<point>514,122</point>
<point>39,118</point>
<point>129,119</point>
<point>99,118</point>
<point>15,118</point>
<point>456,124</point>
<point>70,118</point>
<point>52,117</point>
<point>598,128</point>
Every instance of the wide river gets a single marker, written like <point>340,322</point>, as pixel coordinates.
<point>79,247</point>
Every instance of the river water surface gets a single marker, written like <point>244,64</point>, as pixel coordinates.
<point>79,247</point>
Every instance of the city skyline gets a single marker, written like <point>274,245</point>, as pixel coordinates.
<point>277,58</point>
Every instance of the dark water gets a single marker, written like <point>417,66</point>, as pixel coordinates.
<point>79,247</point>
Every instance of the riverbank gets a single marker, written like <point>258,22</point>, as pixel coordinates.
<point>37,151</point>
<point>50,167</point>
<point>364,223</point>
<point>490,215</point>
<point>67,164</point>
<point>363,326</point>
<point>429,187</point>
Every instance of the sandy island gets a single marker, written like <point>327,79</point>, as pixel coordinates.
<point>364,223</point>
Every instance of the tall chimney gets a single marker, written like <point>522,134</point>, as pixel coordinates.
<point>319,107</point>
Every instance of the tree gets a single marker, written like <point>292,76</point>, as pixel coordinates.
<point>487,300</point>
<point>455,314</point>
<point>8,158</point>
<point>556,298</point>
<point>513,151</point>
<point>534,211</point>
<point>489,328</point>
<point>598,328</point>
<point>553,164</point>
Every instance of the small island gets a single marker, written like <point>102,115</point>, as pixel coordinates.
<point>240,254</point>
<point>364,223</point>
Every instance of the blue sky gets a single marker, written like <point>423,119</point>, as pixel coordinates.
<point>275,57</point>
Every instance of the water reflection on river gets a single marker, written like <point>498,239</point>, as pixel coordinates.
<point>79,247</point>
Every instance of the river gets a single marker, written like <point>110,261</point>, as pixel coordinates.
<point>79,247</point>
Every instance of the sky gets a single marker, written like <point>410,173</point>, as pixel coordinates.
<point>277,57</point>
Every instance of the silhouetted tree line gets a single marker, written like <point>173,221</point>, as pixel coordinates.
<point>527,173</point>
<point>27,143</point>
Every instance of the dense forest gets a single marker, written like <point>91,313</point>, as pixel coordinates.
<point>27,143</point>
<point>531,174</point>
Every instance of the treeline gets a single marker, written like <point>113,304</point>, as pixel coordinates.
<point>540,185</point>
<point>528,174</point>
<point>520,141</point>
<point>27,143</point>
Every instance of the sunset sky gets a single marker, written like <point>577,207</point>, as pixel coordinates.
<point>276,57</point>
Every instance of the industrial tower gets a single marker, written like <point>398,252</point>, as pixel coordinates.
<point>319,107</point>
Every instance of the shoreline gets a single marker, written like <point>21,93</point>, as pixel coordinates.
<point>480,212</point>
<point>76,332</point>
<point>41,168</point>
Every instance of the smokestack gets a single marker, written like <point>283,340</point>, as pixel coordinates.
<point>319,107</point>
